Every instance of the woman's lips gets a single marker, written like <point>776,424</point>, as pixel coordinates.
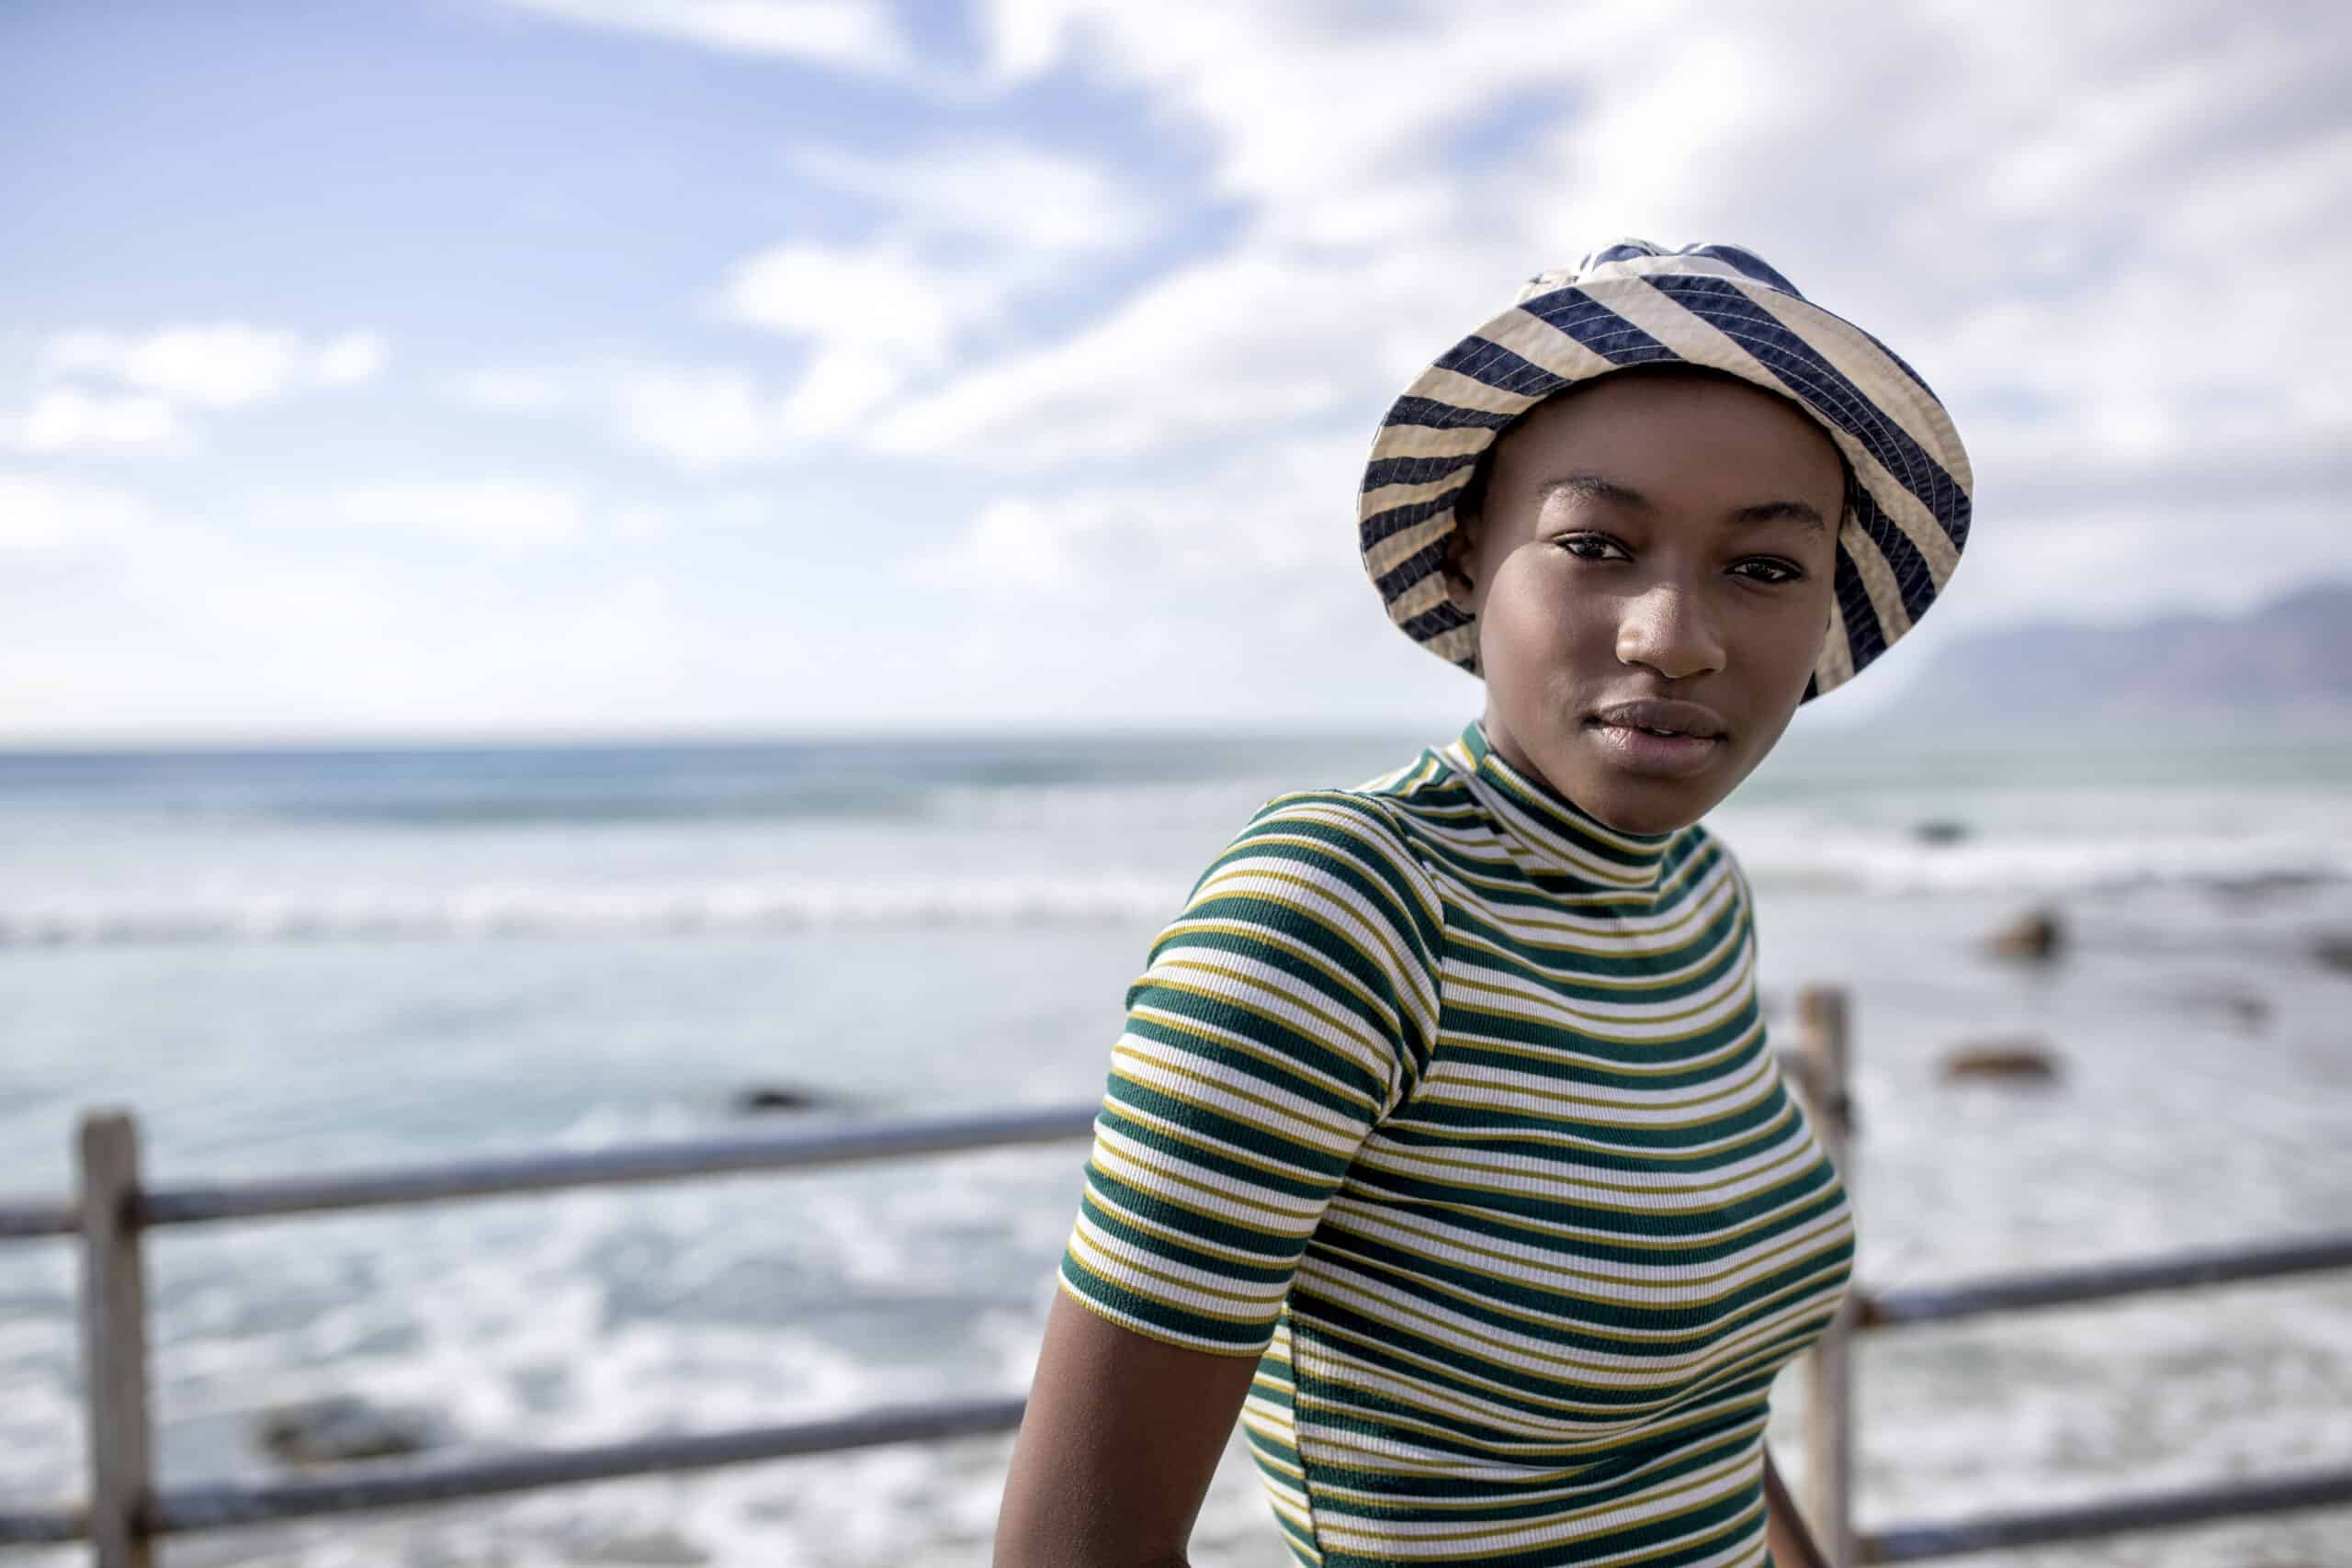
<point>1639,751</point>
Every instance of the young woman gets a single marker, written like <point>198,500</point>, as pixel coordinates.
<point>1444,1146</point>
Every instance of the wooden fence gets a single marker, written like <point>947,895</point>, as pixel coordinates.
<point>126,1512</point>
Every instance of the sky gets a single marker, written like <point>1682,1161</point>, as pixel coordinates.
<point>573,367</point>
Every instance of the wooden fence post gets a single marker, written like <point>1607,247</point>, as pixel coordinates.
<point>113,1342</point>
<point>1822,1026</point>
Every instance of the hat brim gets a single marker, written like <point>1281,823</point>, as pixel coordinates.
<point>1906,510</point>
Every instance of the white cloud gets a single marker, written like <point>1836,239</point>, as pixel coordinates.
<point>66,418</point>
<point>225,364</point>
<point>2106,256</point>
<point>698,419</point>
<point>873,315</point>
<point>1367,243</point>
<point>999,194</point>
<point>1016,543</point>
<point>499,511</point>
<point>1310,110</point>
<point>209,367</point>
<point>40,512</point>
<point>1259,520</point>
<point>1236,343</point>
<point>1369,240</point>
<point>353,358</point>
<point>216,632</point>
<point>1233,589</point>
<point>970,231</point>
<point>856,34</point>
<point>844,384</point>
<point>516,391</point>
<point>2061,242</point>
<point>880,294</point>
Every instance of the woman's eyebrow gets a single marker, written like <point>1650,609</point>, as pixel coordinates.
<point>1595,486</point>
<point>1600,487</point>
<point>1782,511</point>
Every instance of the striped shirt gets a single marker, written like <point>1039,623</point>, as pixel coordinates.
<point>1452,1106</point>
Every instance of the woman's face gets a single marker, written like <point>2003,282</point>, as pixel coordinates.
<point>1651,573</point>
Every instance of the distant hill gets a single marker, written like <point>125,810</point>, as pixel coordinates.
<point>2286,661</point>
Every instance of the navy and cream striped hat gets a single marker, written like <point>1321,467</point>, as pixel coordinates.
<point>1633,303</point>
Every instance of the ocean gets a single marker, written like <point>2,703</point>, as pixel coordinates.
<point>294,960</point>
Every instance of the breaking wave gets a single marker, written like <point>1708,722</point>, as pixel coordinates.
<point>1773,856</point>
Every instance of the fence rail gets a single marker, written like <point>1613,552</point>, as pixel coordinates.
<point>126,1512</point>
<point>612,1167</point>
<point>2190,1505</point>
<point>2072,1286</point>
<point>24,1222</point>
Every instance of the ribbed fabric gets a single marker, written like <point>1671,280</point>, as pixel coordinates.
<point>1453,1106</point>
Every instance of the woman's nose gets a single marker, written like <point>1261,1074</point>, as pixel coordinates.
<point>1667,629</point>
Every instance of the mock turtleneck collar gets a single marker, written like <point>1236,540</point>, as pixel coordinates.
<point>1558,834</point>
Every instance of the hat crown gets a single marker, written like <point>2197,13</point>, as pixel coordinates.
<point>1630,257</point>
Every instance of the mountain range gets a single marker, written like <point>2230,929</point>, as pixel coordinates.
<point>2287,662</point>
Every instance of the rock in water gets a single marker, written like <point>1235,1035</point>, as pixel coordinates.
<point>2037,935</point>
<point>343,1427</point>
<point>2004,1061</point>
<point>1939,830</point>
<point>761,1099</point>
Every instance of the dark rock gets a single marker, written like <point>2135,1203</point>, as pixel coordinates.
<point>2005,1061</point>
<point>2334,951</point>
<point>1939,830</point>
<point>2037,935</point>
<point>2266,887</point>
<point>343,1427</point>
<point>761,1099</point>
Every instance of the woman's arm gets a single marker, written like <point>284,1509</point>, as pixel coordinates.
<point>1122,1435</point>
<point>1791,1543</point>
<point>1286,1009</point>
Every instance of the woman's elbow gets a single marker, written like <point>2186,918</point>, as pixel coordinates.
<point>1071,1538</point>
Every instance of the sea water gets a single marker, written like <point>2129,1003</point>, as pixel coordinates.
<point>294,961</point>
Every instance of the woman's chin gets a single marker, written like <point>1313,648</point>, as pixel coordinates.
<point>1647,817</point>
<point>1636,799</point>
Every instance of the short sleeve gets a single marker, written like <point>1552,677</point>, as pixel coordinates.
<point>1286,1010</point>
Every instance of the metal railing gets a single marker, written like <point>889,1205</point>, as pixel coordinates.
<point>1822,1029</point>
<point>126,1512</point>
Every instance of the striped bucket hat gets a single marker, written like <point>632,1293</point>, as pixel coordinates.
<point>1633,303</point>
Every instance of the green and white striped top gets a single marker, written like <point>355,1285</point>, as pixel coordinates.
<point>1453,1106</point>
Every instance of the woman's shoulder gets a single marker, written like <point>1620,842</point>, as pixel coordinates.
<point>1355,809</point>
<point>1401,807</point>
<point>1356,828</point>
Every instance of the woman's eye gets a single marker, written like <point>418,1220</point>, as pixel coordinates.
<point>1763,570</point>
<point>1592,546</point>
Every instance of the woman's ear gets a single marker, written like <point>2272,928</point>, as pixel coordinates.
<point>1461,549</point>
